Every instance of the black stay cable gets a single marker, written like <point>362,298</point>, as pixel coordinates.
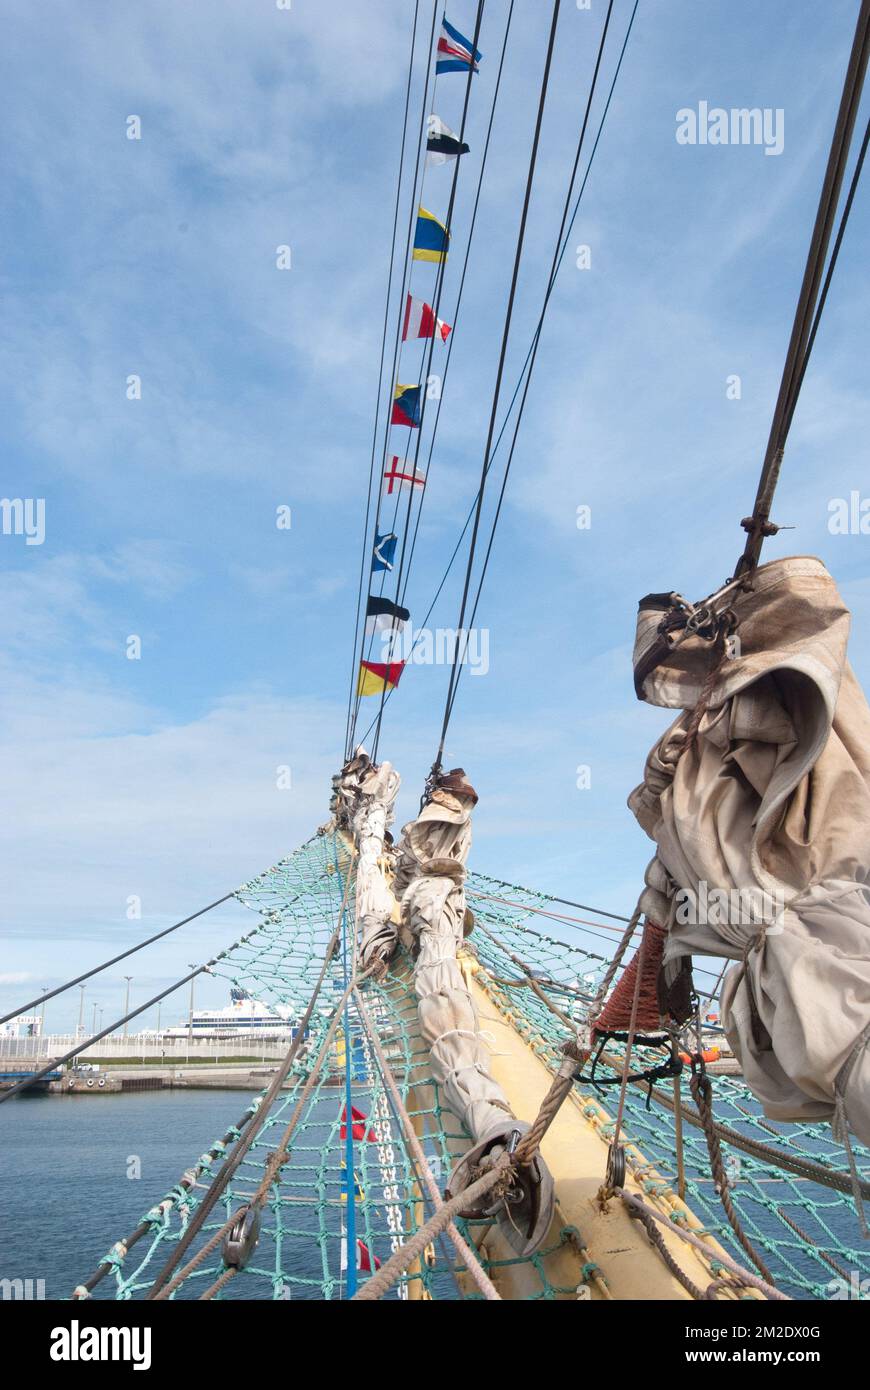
<point>381,370</point>
<point>89,1042</point>
<point>426,361</point>
<point>451,561</point>
<point>396,347</point>
<point>462,279</point>
<point>759,525</point>
<point>134,1013</point>
<point>33,1003</point>
<point>829,275</point>
<point>500,372</point>
<point>472,225</point>
<point>557,255</point>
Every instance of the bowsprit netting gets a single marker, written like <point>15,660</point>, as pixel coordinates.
<point>806,1230</point>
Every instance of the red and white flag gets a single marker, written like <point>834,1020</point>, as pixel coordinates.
<point>359,1128</point>
<point>402,476</point>
<point>366,1262</point>
<point>420,321</point>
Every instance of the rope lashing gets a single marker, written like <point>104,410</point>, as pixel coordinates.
<point>752,1280</point>
<point>401,1259</point>
<point>657,1239</point>
<point>702,1093</point>
<point>841,1125</point>
<point>131,950</point>
<point>550,1106</point>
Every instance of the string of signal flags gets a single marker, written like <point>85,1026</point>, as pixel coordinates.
<point>386,619</point>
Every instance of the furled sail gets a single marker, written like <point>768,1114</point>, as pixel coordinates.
<point>758,798</point>
<point>430,882</point>
<point>364,795</point>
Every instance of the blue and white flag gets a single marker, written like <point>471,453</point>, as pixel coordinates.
<point>384,553</point>
<point>455,52</point>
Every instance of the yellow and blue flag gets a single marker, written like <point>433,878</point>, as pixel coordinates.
<point>407,406</point>
<point>358,1193</point>
<point>430,238</point>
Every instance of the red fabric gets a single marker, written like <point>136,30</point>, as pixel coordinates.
<point>388,671</point>
<point>615,1017</point>
<point>399,417</point>
<point>358,1128</point>
<point>364,1258</point>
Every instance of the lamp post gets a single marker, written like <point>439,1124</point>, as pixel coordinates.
<point>80,1029</point>
<point>128,978</point>
<point>190,1020</point>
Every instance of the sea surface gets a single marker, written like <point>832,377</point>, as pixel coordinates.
<point>66,1195</point>
<point>64,1162</point>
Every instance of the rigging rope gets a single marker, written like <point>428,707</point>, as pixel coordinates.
<point>418,169</point>
<point>186,1183</point>
<point>759,525</point>
<point>589,929</point>
<point>230,1167</point>
<point>520,379</point>
<point>403,584</point>
<point>362,574</point>
<point>642,1208</point>
<point>500,371</point>
<point>349,980</point>
<point>463,1249</point>
<point>529,369</point>
<point>29,1081</point>
<point>471,230</point>
<point>702,1094</point>
<point>25,1008</point>
<point>793,1179</point>
<point>829,274</point>
<point>429,348</point>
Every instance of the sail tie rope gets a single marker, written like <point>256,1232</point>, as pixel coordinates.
<point>463,1249</point>
<point>744,1275</point>
<point>702,1093</point>
<point>405,1256</point>
<point>840,1125</point>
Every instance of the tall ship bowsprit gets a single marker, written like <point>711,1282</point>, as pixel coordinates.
<point>472,1104</point>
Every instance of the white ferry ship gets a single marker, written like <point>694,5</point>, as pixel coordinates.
<point>243,1016</point>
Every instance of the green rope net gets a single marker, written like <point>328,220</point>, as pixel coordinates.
<point>807,1233</point>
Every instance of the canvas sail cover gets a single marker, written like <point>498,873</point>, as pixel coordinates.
<point>430,882</point>
<point>364,794</point>
<point>762,827</point>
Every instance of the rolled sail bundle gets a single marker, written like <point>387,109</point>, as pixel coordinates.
<point>363,800</point>
<point>429,880</point>
<point>758,798</point>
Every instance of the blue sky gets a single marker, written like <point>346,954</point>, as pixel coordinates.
<point>263,127</point>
